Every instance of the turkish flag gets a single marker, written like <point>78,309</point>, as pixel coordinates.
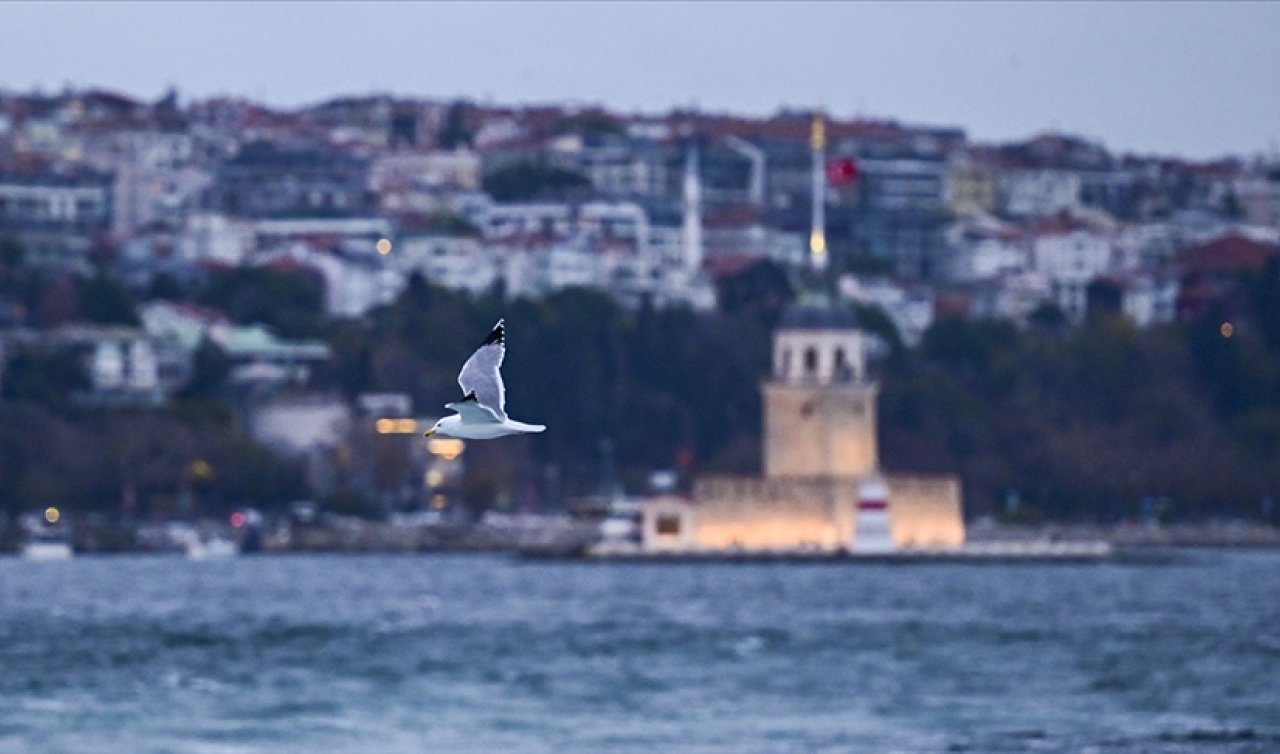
<point>841,170</point>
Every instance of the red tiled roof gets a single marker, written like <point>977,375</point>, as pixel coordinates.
<point>728,265</point>
<point>1229,252</point>
<point>732,217</point>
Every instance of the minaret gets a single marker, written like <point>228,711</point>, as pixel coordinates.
<point>692,230</point>
<point>818,235</point>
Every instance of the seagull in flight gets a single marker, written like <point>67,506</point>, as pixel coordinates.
<point>482,414</point>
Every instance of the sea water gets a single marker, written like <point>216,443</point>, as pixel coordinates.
<point>491,654</point>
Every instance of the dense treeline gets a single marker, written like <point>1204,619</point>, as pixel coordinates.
<point>1099,421</point>
<point>663,387</point>
<point>185,459</point>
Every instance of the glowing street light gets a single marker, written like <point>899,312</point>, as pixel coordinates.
<point>52,514</point>
<point>383,246</point>
<point>201,469</point>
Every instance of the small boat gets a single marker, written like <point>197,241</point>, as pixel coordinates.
<point>48,537</point>
<point>212,547</point>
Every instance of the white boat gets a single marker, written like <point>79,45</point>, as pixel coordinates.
<point>47,538</point>
<point>200,543</point>
<point>46,550</point>
<point>212,547</point>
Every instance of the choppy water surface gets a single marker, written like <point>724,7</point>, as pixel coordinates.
<point>458,653</point>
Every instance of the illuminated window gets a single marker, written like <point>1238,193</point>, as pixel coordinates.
<point>668,526</point>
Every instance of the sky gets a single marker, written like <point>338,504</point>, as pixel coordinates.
<point>1196,80</point>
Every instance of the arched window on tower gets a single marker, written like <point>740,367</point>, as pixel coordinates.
<point>844,372</point>
<point>810,362</point>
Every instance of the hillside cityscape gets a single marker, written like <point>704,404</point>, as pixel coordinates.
<point>218,309</point>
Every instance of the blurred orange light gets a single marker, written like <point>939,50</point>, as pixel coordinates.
<point>383,246</point>
<point>387,426</point>
<point>446,448</point>
<point>52,514</point>
<point>237,519</point>
<point>1227,329</point>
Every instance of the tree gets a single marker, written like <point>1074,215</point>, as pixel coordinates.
<point>526,180</point>
<point>56,300</point>
<point>104,300</point>
<point>290,302</point>
<point>210,369</point>
<point>593,124</point>
<point>454,133</point>
<point>1048,316</point>
<point>12,253</point>
<point>46,376</point>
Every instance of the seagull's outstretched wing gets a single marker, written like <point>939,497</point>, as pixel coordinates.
<point>480,376</point>
<point>472,412</point>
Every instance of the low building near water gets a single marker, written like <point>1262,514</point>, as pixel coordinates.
<point>823,489</point>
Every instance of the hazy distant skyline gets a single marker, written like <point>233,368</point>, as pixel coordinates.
<point>1190,79</point>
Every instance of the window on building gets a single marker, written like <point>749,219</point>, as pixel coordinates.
<point>668,525</point>
<point>844,372</point>
<point>786,362</point>
<point>810,361</point>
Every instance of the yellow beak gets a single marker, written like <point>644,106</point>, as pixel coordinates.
<point>428,433</point>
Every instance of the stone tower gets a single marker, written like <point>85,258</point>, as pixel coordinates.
<point>820,407</point>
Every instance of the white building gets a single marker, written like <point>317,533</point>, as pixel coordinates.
<point>123,363</point>
<point>1258,198</point>
<point>460,263</point>
<point>539,269</point>
<point>1145,245</point>
<point>1015,296</point>
<point>981,247</point>
<point>458,168</point>
<point>143,195</point>
<point>1148,299</point>
<point>363,231</point>
<point>216,238</point>
<point>1069,257</point>
<point>256,353</point>
<point>910,308</point>
<point>354,282</point>
<point>1038,192</point>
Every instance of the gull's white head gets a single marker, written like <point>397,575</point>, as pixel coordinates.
<point>443,426</point>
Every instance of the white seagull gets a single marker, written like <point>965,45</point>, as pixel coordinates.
<point>482,414</point>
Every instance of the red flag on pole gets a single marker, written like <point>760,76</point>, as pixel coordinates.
<point>841,170</point>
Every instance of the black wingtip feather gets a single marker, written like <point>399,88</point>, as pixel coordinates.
<point>497,335</point>
<point>471,396</point>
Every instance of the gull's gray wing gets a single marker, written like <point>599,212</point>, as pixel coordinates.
<point>472,412</point>
<point>480,376</point>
